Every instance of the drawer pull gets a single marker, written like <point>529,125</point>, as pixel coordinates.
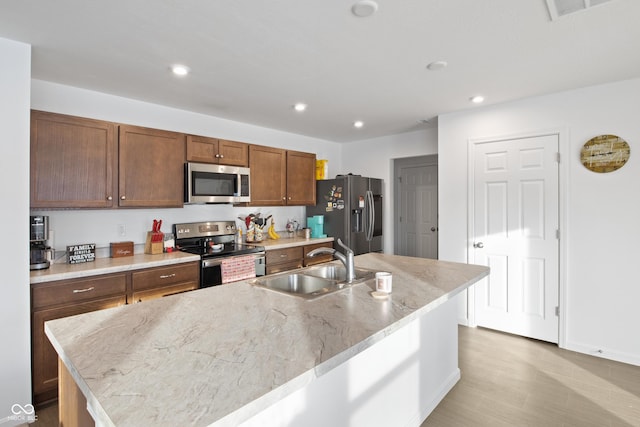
<point>283,256</point>
<point>168,276</point>
<point>79,291</point>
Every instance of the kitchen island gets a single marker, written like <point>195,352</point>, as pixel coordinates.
<point>237,353</point>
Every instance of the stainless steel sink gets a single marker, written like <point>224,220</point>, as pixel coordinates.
<point>312,282</point>
<point>338,272</point>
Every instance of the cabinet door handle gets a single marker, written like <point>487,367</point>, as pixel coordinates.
<point>123,198</point>
<point>217,156</point>
<point>284,198</point>
<point>79,291</point>
<point>222,156</point>
<point>289,197</point>
<point>168,276</point>
<point>109,198</point>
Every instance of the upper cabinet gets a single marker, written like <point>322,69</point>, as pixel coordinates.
<point>85,163</point>
<point>301,178</point>
<point>219,151</point>
<point>280,177</point>
<point>73,162</point>
<point>151,167</point>
<point>268,176</point>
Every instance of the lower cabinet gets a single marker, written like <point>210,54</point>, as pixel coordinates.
<point>295,257</point>
<point>318,259</point>
<point>163,281</point>
<point>54,300</point>
<point>283,259</point>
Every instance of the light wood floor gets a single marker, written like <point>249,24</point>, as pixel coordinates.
<point>513,381</point>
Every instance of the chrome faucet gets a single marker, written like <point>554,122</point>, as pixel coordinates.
<point>346,258</point>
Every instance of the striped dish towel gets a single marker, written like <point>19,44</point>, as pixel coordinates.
<point>238,268</point>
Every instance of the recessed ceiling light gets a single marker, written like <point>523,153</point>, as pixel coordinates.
<point>358,124</point>
<point>300,107</point>
<point>364,8</point>
<point>437,65</point>
<point>180,70</point>
<point>477,99</point>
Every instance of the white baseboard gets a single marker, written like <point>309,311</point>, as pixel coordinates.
<point>605,353</point>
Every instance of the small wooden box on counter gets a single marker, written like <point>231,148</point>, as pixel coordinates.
<point>121,249</point>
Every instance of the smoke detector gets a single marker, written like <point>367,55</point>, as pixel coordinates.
<point>559,8</point>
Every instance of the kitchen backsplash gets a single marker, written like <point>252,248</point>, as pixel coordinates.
<point>70,227</point>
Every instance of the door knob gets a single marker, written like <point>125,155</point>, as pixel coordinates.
<point>478,245</point>
<point>433,229</point>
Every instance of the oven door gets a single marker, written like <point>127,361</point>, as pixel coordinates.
<point>211,269</point>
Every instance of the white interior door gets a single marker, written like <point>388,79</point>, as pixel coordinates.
<point>417,233</point>
<point>515,226</point>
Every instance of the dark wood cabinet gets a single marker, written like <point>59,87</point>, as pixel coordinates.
<point>151,167</point>
<point>73,162</point>
<point>54,300</point>
<point>301,178</point>
<point>278,260</point>
<point>318,259</point>
<point>160,282</point>
<point>280,177</point>
<point>284,259</point>
<point>268,176</point>
<point>86,163</point>
<point>218,151</point>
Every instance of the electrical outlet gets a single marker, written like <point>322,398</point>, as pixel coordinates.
<point>122,230</point>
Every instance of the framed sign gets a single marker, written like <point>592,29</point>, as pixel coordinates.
<point>605,153</point>
<point>78,254</point>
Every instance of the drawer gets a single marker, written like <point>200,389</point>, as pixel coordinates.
<point>162,292</point>
<point>318,259</point>
<point>78,290</point>
<point>165,276</point>
<point>284,266</point>
<point>284,255</point>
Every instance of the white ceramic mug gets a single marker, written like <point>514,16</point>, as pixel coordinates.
<point>383,282</point>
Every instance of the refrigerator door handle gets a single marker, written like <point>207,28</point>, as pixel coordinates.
<point>371,215</point>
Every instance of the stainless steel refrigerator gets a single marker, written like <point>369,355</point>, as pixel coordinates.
<point>352,210</point>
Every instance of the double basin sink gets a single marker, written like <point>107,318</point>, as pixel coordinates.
<point>313,282</point>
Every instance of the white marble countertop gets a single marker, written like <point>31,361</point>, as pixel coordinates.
<point>63,271</point>
<point>290,242</point>
<point>219,355</point>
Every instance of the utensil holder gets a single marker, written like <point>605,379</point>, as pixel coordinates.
<point>152,246</point>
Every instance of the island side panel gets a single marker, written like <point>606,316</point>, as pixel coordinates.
<point>398,381</point>
<point>72,405</point>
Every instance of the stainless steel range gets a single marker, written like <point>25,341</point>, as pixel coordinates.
<point>215,242</point>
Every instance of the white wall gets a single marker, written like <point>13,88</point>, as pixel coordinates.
<point>374,158</point>
<point>601,294</point>
<point>15,347</point>
<point>101,226</point>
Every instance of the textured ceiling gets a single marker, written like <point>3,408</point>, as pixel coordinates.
<point>252,60</point>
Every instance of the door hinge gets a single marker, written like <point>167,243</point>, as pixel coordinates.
<point>557,234</point>
<point>558,157</point>
<point>557,311</point>
<point>400,179</point>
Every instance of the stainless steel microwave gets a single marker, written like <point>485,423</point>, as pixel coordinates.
<point>208,183</point>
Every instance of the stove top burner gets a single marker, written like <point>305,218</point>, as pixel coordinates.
<point>211,239</point>
<point>226,250</point>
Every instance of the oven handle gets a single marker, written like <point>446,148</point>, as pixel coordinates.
<point>213,262</point>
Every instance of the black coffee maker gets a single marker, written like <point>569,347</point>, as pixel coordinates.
<point>40,253</point>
